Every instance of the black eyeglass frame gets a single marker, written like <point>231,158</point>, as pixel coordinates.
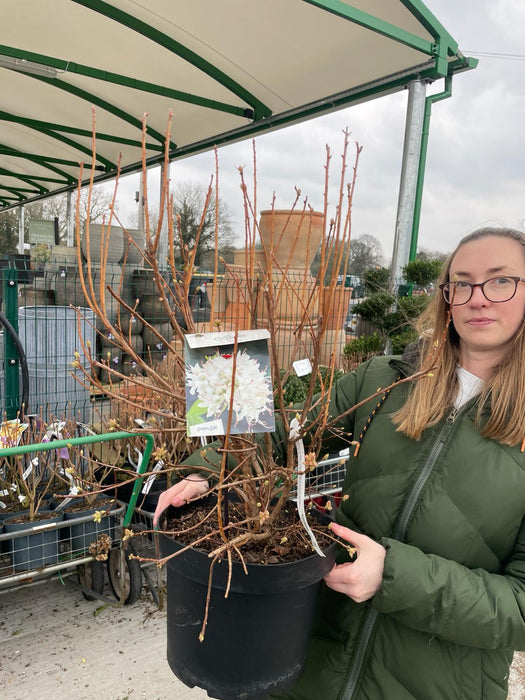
<point>481,285</point>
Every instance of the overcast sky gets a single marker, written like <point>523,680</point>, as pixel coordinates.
<point>475,164</point>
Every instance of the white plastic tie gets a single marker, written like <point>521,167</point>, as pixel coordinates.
<point>151,478</point>
<point>295,434</point>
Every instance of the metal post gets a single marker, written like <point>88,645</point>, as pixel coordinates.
<point>21,226</point>
<point>69,220</point>
<point>447,92</point>
<point>409,177</point>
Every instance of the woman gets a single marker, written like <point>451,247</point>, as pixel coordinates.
<point>433,605</point>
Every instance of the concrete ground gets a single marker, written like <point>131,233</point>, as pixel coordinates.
<point>54,645</point>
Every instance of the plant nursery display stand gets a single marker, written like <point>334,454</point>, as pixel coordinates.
<point>80,544</point>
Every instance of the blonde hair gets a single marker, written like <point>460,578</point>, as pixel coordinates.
<point>433,395</point>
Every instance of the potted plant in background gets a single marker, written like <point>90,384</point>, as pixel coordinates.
<point>86,477</point>
<point>30,481</point>
<point>40,254</point>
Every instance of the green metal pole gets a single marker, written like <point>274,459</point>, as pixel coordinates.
<point>11,362</point>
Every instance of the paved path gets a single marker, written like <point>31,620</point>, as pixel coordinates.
<point>54,646</point>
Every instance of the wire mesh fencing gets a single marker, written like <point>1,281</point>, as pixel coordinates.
<point>47,311</point>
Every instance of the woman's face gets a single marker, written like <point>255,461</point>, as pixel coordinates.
<point>484,326</point>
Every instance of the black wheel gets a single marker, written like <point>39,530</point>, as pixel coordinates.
<point>91,575</point>
<point>125,576</point>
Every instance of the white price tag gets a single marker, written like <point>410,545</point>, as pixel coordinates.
<point>212,427</point>
<point>302,367</point>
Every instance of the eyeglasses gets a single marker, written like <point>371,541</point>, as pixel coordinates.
<point>495,289</point>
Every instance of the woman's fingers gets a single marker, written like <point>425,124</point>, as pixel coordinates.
<point>180,493</point>
<point>361,578</point>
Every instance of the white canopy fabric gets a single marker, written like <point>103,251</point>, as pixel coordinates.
<point>227,69</point>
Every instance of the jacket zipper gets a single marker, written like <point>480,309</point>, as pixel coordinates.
<point>399,534</point>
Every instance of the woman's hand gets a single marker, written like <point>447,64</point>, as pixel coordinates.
<point>362,578</point>
<point>180,493</point>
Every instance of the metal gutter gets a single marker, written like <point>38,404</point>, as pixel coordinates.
<point>447,92</point>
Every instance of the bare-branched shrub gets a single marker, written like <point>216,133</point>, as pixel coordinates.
<point>241,467</point>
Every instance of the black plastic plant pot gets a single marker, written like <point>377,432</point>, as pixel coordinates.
<point>256,639</point>
<point>39,547</point>
<point>82,534</point>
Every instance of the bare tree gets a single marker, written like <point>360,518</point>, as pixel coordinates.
<point>8,232</point>
<point>56,207</point>
<point>195,222</point>
<point>425,254</point>
<point>365,252</point>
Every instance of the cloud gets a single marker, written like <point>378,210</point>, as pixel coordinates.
<point>474,172</point>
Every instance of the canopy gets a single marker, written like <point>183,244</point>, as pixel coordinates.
<point>227,69</point>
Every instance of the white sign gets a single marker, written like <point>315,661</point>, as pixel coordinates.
<point>302,367</point>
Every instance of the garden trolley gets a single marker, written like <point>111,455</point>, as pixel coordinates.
<point>58,547</point>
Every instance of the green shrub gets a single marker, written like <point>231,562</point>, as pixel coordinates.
<point>413,307</point>
<point>395,326</point>
<point>376,279</point>
<point>399,341</point>
<point>422,272</point>
<point>365,345</point>
<point>375,308</point>
<point>296,388</point>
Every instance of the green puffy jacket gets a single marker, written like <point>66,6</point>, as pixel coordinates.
<point>449,509</point>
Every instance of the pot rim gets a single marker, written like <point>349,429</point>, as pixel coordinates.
<point>292,212</point>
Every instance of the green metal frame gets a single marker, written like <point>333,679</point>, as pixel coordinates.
<point>447,92</point>
<point>260,110</point>
<point>100,136</point>
<point>41,160</point>
<point>124,80</point>
<point>363,19</point>
<point>29,180</point>
<point>443,60</point>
